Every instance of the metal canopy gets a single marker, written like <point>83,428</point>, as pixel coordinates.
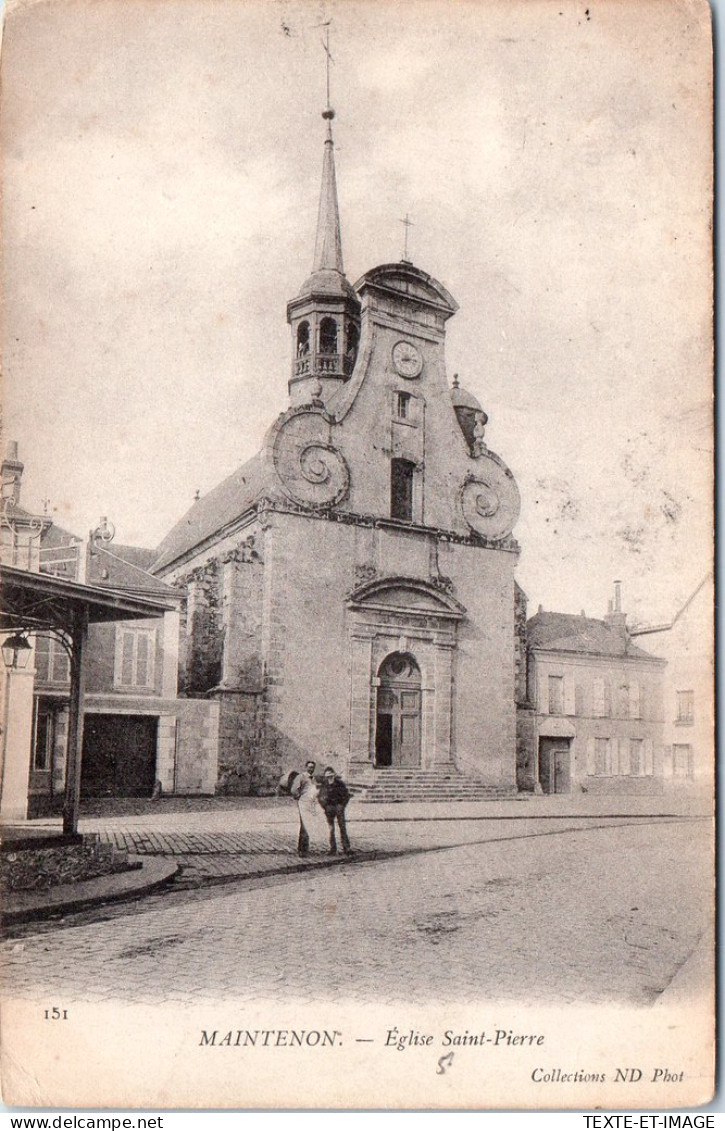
<point>42,602</point>
<point>37,601</point>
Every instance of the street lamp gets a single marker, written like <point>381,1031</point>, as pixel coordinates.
<point>16,651</point>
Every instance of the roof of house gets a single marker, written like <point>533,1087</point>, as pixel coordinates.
<point>570,633</point>
<point>210,514</point>
<point>111,568</point>
<point>140,556</point>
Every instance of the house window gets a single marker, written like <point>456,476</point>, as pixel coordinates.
<point>58,662</point>
<point>43,741</point>
<point>682,766</point>
<point>401,489</point>
<point>602,756</point>
<point>634,701</point>
<point>403,405</point>
<point>685,707</point>
<point>556,695</point>
<point>134,657</point>
<point>636,757</point>
<point>602,698</point>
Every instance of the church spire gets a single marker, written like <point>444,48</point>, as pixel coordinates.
<point>328,243</point>
<point>325,315</point>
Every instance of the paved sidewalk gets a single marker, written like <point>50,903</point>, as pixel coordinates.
<point>258,837</point>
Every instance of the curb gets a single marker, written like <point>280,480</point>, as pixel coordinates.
<point>153,873</point>
<point>363,856</point>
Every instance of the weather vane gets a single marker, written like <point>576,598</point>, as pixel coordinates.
<point>408,223</point>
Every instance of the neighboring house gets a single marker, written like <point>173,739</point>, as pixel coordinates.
<point>138,732</point>
<point>20,530</point>
<point>597,707</point>
<point>687,644</point>
<point>351,588</point>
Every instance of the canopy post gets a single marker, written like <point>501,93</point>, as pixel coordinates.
<point>75,721</point>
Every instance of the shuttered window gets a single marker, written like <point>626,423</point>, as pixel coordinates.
<point>134,657</point>
<point>602,756</point>
<point>602,698</point>
<point>636,757</point>
<point>634,698</point>
<point>685,706</point>
<point>556,695</point>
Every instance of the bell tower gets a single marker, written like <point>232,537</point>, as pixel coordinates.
<point>325,315</point>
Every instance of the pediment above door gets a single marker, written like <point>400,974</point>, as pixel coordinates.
<point>406,595</point>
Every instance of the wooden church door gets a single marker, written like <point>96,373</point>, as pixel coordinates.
<point>397,732</point>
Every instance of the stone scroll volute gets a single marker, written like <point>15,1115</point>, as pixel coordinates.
<point>312,470</point>
<point>490,499</point>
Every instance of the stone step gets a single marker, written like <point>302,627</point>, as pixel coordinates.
<point>398,785</point>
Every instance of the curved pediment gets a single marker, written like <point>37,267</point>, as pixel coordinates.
<point>407,595</point>
<point>403,280</point>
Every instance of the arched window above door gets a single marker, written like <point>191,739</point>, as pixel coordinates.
<point>399,667</point>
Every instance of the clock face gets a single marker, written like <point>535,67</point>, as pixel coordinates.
<point>407,359</point>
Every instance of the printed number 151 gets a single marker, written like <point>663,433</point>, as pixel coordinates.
<point>56,1014</point>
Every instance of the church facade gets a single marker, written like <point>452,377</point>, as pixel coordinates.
<point>351,590</point>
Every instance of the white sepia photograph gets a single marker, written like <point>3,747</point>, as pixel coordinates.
<point>357,555</point>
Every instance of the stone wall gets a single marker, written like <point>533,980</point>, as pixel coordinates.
<point>240,740</point>
<point>204,629</point>
<point>525,749</point>
<point>197,746</point>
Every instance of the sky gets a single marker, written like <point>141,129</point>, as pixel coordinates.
<point>161,168</point>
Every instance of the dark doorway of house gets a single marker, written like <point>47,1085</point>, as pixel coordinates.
<point>119,755</point>
<point>555,765</point>
<point>397,730</point>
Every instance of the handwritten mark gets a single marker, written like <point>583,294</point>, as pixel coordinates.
<point>447,1059</point>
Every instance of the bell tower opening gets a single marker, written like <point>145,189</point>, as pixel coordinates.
<point>328,337</point>
<point>303,339</point>
<point>397,725</point>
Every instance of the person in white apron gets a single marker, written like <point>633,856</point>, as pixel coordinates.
<point>313,824</point>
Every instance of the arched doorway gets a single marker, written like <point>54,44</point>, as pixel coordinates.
<point>397,725</point>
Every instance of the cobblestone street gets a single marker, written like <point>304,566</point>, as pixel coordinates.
<point>549,911</point>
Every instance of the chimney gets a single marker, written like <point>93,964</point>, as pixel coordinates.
<point>615,617</point>
<point>12,474</point>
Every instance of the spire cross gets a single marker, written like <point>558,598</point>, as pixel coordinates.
<point>328,59</point>
<point>408,224</point>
